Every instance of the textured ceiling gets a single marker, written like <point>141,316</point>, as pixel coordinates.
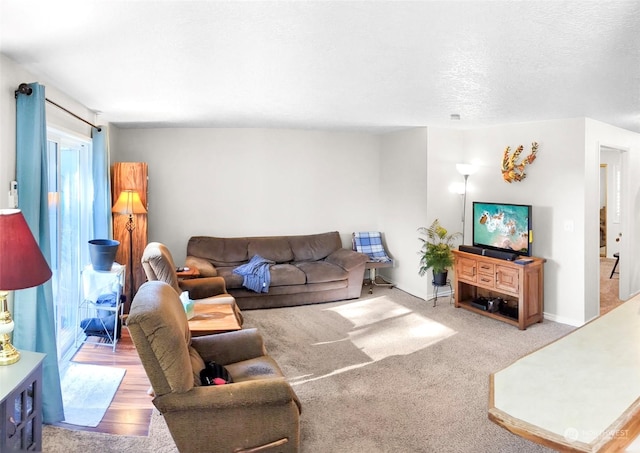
<point>374,66</point>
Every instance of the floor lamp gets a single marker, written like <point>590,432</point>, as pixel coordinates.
<point>22,265</point>
<point>129,203</point>
<point>465,170</point>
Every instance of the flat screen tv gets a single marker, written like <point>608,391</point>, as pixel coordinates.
<point>502,226</point>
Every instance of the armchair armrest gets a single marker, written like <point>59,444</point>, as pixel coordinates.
<point>201,288</point>
<point>205,267</point>
<point>347,259</point>
<point>275,391</point>
<point>230,347</point>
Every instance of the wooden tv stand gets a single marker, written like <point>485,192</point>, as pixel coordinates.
<point>519,285</point>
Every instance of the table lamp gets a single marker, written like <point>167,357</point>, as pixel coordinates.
<point>129,203</point>
<point>22,265</point>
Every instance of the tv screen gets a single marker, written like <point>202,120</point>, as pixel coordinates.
<point>502,226</point>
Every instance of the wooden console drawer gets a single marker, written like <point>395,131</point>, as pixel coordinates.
<point>486,274</point>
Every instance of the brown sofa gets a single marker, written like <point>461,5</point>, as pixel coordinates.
<point>308,269</point>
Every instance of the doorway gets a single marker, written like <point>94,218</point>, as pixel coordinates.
<point>610,233</point>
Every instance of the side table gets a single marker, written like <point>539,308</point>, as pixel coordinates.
<point>186,273</point>
<point>21,403</point>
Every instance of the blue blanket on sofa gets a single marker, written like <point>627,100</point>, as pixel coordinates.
<point>256,274</point>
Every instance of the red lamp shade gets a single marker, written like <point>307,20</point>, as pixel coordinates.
<point>22,264</point>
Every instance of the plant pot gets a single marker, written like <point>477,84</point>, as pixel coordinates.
<point>103,253</point>
<point>440,279</point>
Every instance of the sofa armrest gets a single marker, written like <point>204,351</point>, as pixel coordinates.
<point>201,288</point>
<point>230,347</point>
<point>347,259</point>
<point>273,391</point>
<point>205,268</point>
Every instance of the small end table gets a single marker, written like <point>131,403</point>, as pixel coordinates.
<point>186,273</point>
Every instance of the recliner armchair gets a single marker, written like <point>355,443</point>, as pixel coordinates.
<point>158,264</point>
<point>258,412</point>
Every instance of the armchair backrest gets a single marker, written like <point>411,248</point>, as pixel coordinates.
<point>160,332</point>
<point>158,264</point>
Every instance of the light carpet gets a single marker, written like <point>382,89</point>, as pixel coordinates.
<point>87,391</point>
<point>384,373</point>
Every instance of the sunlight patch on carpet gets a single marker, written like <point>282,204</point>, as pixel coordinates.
<point>87,391</point>
<point>383,328</point>
<point>399,336</point>
<point>369,311</point>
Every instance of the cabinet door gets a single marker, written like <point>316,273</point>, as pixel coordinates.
<point>466,270</point>
<point>507,279</point>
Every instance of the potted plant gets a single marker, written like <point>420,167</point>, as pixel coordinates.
<point>435,252</point>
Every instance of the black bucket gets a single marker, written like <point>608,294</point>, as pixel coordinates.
<point>103,253</point>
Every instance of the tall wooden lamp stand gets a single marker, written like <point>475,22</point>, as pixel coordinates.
<point>129,203</point>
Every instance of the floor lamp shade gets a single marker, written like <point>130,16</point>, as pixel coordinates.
<point>22,265</point>
<point>129,203</point>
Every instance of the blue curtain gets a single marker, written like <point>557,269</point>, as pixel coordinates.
<point>33,308</point>
<point>101,186</point>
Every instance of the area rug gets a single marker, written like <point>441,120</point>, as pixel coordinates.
<point>87,391</point>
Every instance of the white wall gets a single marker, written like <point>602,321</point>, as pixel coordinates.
<point>247,182</point>
<point>12,75</point>
<point>554,186</point>
<point>401,205</point>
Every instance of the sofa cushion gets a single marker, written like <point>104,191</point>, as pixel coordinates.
<point>219,251</point>
<point>286,274</point>
<point>272,248</point>
<point>314,247</point>
<point>258,368</point>
<point>321,272</point>
<point>232,281</point>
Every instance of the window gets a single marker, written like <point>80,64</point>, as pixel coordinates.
<point>70,219</point>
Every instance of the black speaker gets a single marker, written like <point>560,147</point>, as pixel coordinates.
<point>509,256</point>
<point>471,249</point>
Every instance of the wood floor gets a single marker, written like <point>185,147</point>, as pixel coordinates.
<point>130,410</point>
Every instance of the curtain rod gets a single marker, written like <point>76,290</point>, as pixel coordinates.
<point>24,88</point>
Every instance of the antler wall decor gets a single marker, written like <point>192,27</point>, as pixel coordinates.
<point>512,170</point>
